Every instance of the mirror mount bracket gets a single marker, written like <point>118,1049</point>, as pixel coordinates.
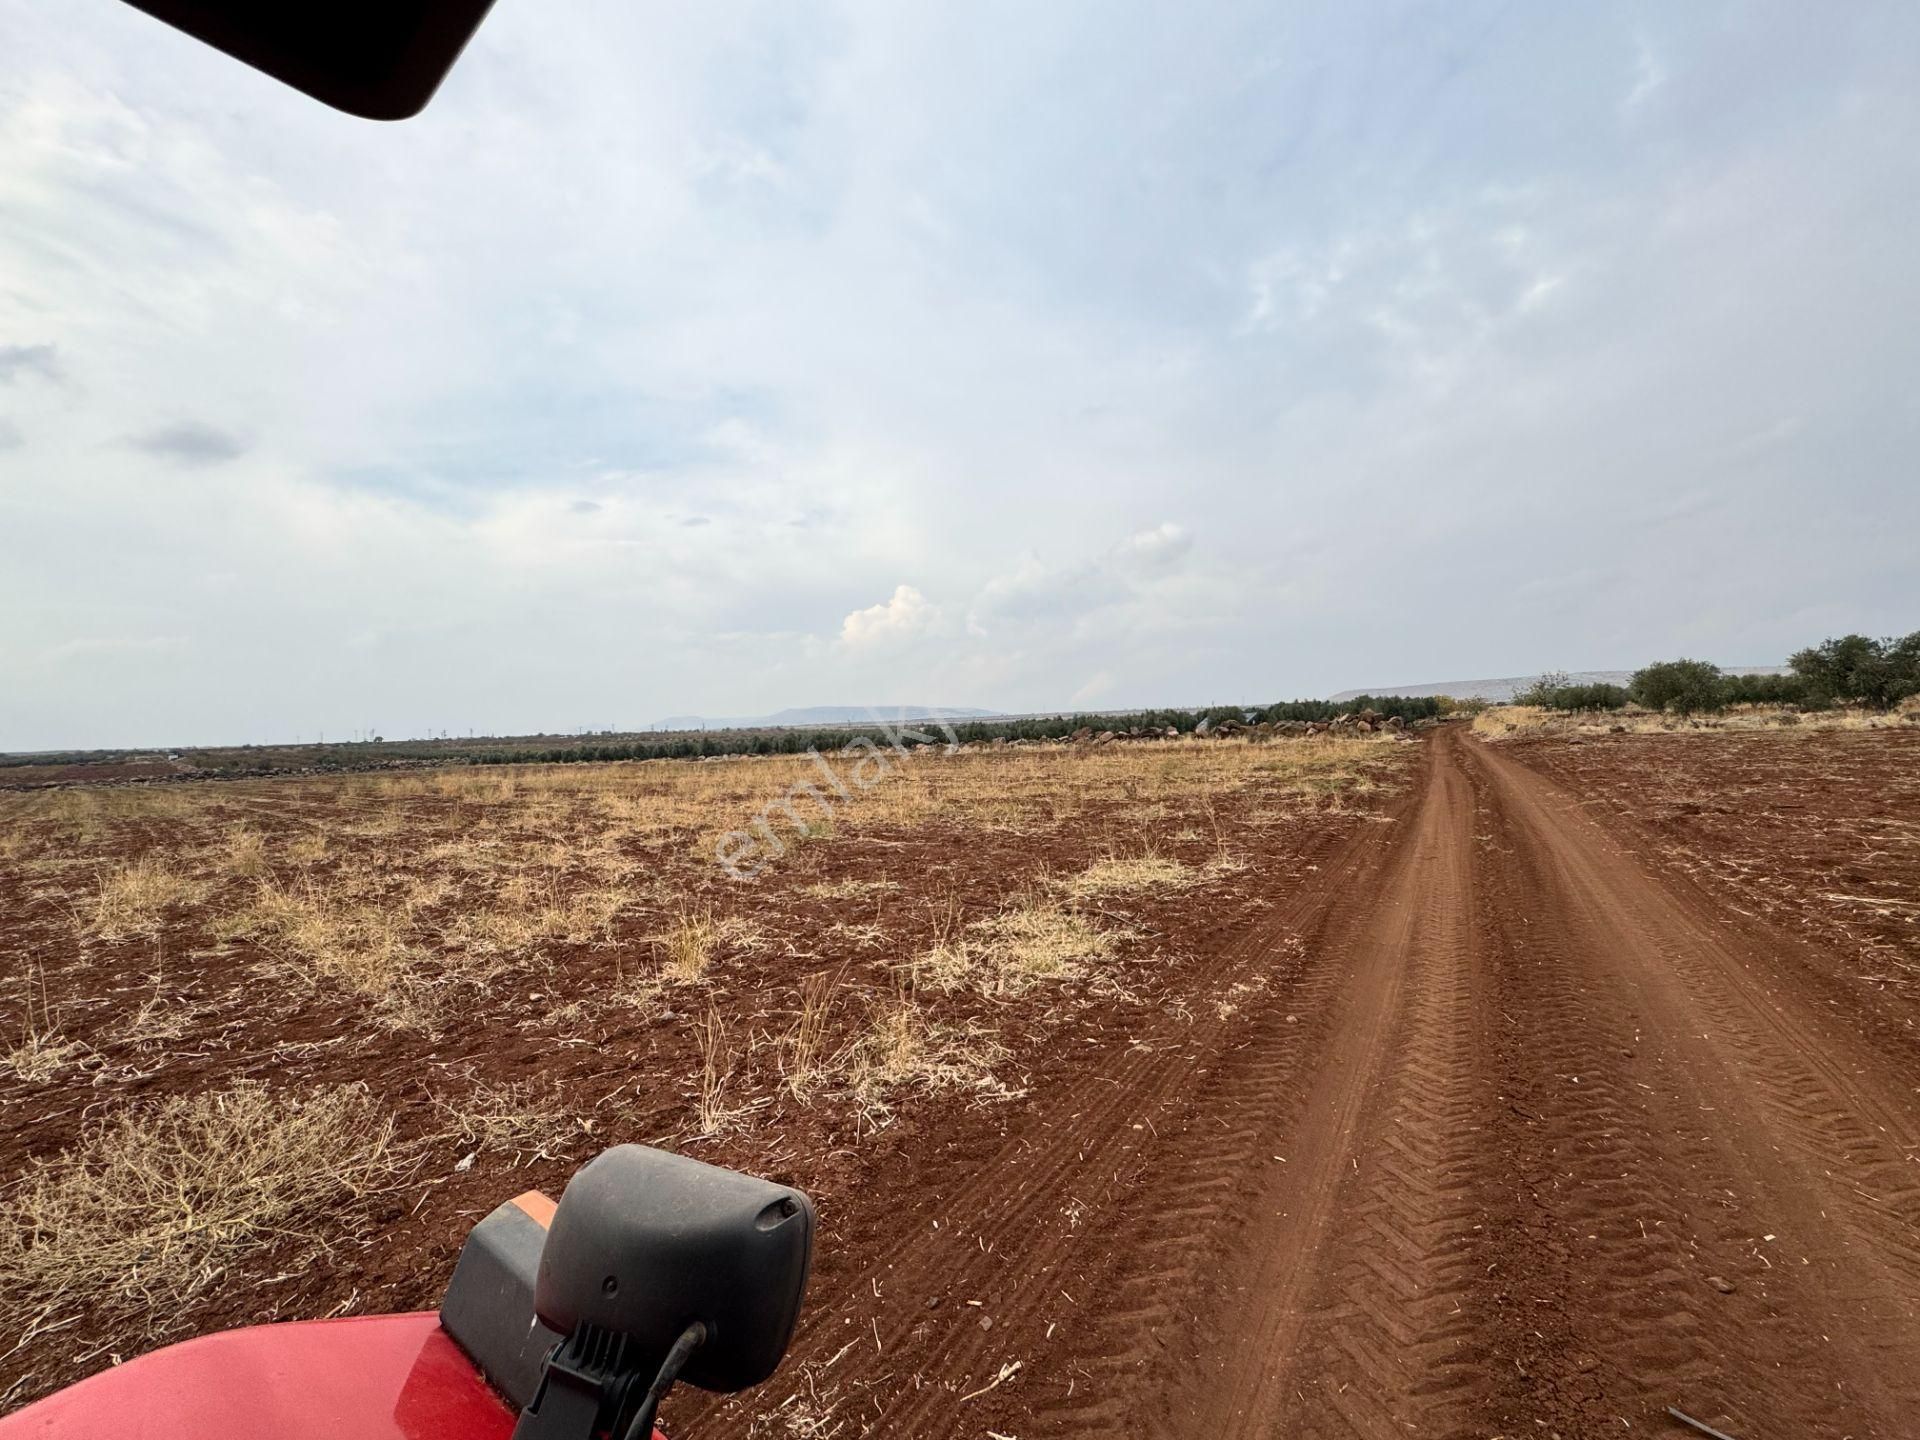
<point>587,1387</point>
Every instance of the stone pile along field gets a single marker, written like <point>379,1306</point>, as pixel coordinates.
<point>1333,1085</point>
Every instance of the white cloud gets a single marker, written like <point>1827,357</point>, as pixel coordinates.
<point>905,615</point>
<point>1154,551</point>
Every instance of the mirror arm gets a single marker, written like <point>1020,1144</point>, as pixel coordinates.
<point>670,1368</point>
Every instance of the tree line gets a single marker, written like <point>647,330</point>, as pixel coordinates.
<point>1026,727</point>
<point>1850,670</point>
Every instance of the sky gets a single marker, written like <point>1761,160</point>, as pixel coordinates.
<point>721,358</point>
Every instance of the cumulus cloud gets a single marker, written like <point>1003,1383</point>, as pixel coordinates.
<point>904,615</point>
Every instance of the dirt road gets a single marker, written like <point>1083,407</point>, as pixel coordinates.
<point>1509,1133</point>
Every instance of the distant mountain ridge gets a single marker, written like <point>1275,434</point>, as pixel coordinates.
<point>1501,691</point>
<point>823,715</point>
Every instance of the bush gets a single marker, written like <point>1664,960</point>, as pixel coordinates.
<point>1556,691</point>
<point>1543,688</point>
<point>1598,696</point>
<point>1857,670</point>
<point>1682,686</point>
<point>1763,689</point>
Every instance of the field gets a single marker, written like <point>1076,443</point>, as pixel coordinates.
<point>1528,1078</point>
<point>451,985</point>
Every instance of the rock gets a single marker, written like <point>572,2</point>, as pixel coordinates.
<point>1205,727</point>
<point>1724,1286</point>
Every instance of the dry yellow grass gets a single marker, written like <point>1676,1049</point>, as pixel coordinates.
<point>688,947</point>
<point>713,1109</point>
<point>850,889</point>
<point>153,1205</point>
<point>245,854</point>
<point>519,1118</point>
<point>1503,722</point>
<point>40,1055</point>
<point>804,1055</point>
<point>901,1051</point>
<point>1031,943</point>
<point>41,1051</point>
<point>1131,874</point>
<point>134,898</point>
<point>317,935</point>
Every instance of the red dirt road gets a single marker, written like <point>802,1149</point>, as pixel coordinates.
<point>1517,1134</point>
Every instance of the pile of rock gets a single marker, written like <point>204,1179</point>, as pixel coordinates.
<point>1357,722</point>
<point>1087,735</point>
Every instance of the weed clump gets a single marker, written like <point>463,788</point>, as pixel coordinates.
<point>152,1206</point>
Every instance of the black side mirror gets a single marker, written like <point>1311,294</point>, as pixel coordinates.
<point>658,1267</point>
<point>381,59</point>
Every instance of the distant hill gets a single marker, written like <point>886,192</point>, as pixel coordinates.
<point>1500,691</point>
<point>823,715</point>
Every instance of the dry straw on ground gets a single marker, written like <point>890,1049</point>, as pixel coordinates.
<point>520,1119</point>
<point>1131,874</point>
<point>1034,942</point>
<point>1503,722</point>
<point>151,1207</point>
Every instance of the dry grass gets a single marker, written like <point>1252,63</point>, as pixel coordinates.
<point>530,910</point>
<point>1131,874</point>
<point>713,1111</point>
<point>1503,722</point>
<point>42,1051</point>
<point>1032,943</point>
<point>519,1118</point>
<point>40,1055</point>
<point>318,936</point>
<point>851,889</point>
<point>245,854</point>
<point>150,1209</point>
<point>688,945</point>
<point>804,1056</point>
<point>902,1051</point>
<point>134,898</point>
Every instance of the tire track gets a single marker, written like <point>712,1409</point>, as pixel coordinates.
<point>1031,1230</point>
<point>1353,1318</point>
<point>1711,1203</point>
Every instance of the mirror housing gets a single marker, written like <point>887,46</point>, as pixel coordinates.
<point>645,1243</point>
<point>379,59</point>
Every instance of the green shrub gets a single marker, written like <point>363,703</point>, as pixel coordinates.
<point>1543,689</point>
<point>1596,696</point>
<point>1763,689</point>
<point>1682,686</point>
<point>1857,670</point>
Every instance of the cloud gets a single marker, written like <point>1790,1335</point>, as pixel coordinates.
<point>1154,551</point>
<point>41,361</point>
<point>10,436</point>
<point>903,616</point>
<point>190,443</point>
<point>1037,592</point>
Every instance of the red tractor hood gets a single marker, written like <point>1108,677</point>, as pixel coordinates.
<point>381,1377</point>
